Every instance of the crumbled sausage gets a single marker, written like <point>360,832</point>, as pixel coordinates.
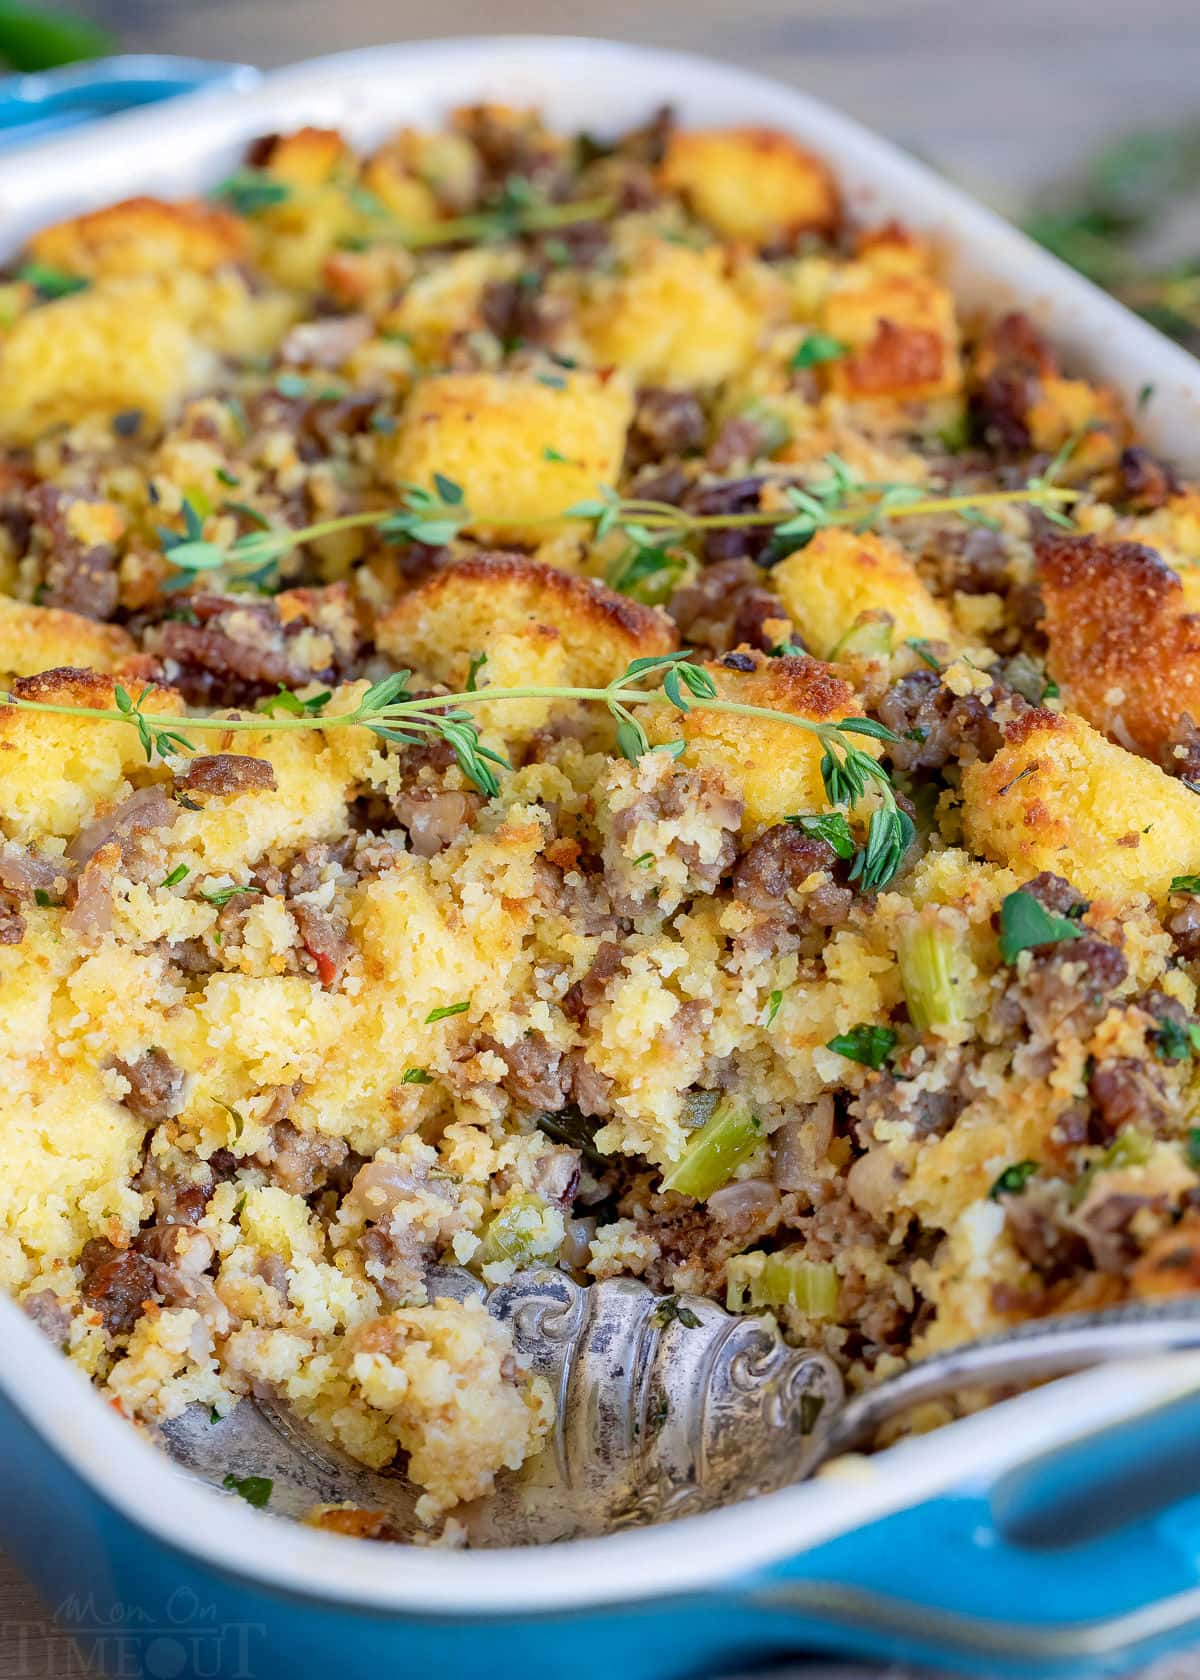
<point>227,773</point>
<point>156,1086</point>
<point>117,1283</point>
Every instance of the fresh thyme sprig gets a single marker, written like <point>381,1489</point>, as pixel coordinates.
<point>437,516</point>
<point>517,210</point>
<point>389,711</point>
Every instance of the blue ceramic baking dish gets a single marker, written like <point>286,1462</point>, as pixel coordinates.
<point>1056,1534</point>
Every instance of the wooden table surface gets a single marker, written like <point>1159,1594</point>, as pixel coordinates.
<point>1000,96</point>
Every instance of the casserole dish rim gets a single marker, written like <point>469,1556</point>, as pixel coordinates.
<point>52,1396</point>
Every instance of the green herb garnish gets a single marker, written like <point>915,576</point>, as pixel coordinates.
<point>670,1310</point>
<point>772,1009</point>
<point>1174,1041</point>
<point>1013,1179</point>
<point>255,1490</point>
<point>416,1076</point>
<point>446,1011</point>
<point>179,873</point>
<point>830,826</point>
<point>222,895</point>
<point>1185,884</point>
<point>1026,925</point>
<point>51,283</point>
<point>818,347</point>
<point>250,191</point>
<point>866,1043</point>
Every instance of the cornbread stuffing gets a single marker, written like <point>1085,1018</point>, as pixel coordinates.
<point>563,706</point>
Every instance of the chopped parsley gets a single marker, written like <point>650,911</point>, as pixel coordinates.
<point>671,1311</point>
<point>1026,925</point>
<point>819,347</point>
<point>1186,884</point>
<point>42,898</point>
<point>830,826</point>
<point>446,1011</point>
<point>1013,1179</point>
<point>255,1490</point>
<point>416,1076</point>
<point>643,862</point>
<point>228,478</point>
<point>773,1003</point>
<point>866,1043</point>
<point>51,283</point>
<point>1176,1042</point>
<point>179,873</point>
<point>557,457</point>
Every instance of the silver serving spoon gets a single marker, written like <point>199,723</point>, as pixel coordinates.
<point>664,1407</point>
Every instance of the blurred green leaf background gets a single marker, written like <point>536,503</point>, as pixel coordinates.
<point>40,37</point>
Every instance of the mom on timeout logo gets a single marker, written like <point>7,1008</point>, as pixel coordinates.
<point>186,1641</point>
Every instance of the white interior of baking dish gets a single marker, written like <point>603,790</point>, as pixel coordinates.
<point>605,87</point>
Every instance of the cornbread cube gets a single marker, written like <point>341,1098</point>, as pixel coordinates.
<point>142,236</point>
<point>901,332</point>
<point>57,771</point>
<point>1059,796</point>
<point>490,434</point>
<point>1124,639</point>
<point>124,345</point>
<point>841,574</point>
<point>67,1154</point>
<point>308,157</point>
<point>36,639</point>
<point>434,307</point>
<point>538,625</point>
<point>775,766</point>
<point>751,183</point>
<point>671,316</point>
<point>415,174</point>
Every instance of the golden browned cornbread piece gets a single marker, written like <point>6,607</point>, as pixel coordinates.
<point>1124,648</point>
<point>490,433</point>
<point>305,158</point>
<point>901,334</point>
<point>841,574</point>
<point>56,770</point>
<point>670,316</point>
<point>36,639</point>
<point>538,625</point>
<point>775,766</point>
<point>1025,402</point>
<point>1059,796</point>
<point>128,344</point>
<point>416,174</point>
<point>751,183</point>
<point>142,236</point>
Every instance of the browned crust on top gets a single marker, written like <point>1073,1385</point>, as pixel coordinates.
<point>801,685</point>
<point>897,358</point>
<point>206,234</point>
<point>71,685</point>
<point>1037,720</point>
<point>1116,620</point>
<point>565,597</point>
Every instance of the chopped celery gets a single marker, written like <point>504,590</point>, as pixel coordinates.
<point>712,1154</point>
<point>525,1231</point>
<point>757,1280</point>
<point>869,637</point>
<point>932,964</point>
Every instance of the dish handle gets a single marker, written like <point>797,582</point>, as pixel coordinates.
<point>33,107</point>
<point>1084,1558</point>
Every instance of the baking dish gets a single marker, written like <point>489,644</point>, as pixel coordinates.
<point>996,1542</point>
